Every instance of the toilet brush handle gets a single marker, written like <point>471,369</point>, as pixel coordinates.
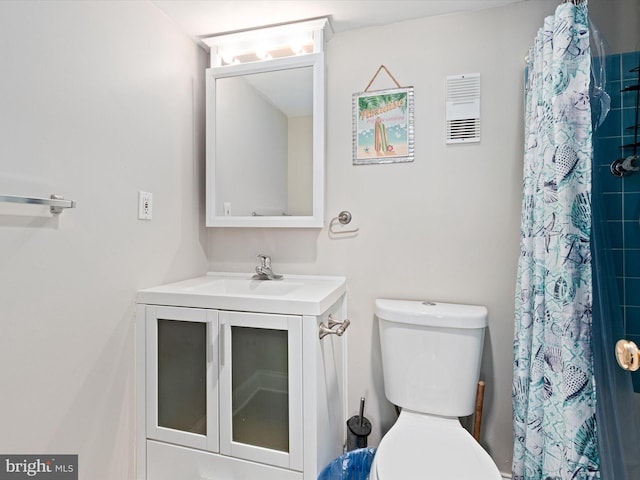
<point>477,419</point>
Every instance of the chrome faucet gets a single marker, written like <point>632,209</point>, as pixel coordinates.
<point>263,271</point>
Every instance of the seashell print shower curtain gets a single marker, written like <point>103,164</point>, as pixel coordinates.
<point>554,400</point>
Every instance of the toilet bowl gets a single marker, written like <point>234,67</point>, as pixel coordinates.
<point>431,354</point>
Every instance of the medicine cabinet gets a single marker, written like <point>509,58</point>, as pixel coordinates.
<point>265,132</point>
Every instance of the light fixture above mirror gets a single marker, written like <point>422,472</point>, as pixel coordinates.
<point>265,127</point>
<point>268,43</point>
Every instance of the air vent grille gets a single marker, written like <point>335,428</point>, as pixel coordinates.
<point>463,130</point>
<point>463,108</point>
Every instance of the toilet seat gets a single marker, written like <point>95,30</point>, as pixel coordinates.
<point>427,447</point>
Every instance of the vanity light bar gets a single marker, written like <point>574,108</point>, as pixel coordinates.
<point>229,57</point>
<point>274,42</point>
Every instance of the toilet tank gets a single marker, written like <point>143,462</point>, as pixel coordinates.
<point>431,354</point>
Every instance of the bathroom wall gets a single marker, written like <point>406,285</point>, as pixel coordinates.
<point>98,100</point>
<point>445,227</point>
<point>618,22</point>
<point>102,99</point>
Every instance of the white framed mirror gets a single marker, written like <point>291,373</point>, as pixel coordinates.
<point>265,143</point>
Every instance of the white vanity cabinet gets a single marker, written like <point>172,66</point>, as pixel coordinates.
<point>181,376</point>
<point>227,393</point>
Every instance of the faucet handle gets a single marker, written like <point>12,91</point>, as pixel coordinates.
<point>265,260</point>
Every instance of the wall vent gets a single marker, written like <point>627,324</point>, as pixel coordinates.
<point>463,108</point>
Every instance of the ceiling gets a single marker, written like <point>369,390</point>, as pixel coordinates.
<point>200,18</point>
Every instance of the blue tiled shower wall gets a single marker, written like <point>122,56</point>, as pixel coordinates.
<point>622,195</point>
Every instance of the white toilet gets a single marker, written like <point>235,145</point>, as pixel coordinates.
<point>431,355</point>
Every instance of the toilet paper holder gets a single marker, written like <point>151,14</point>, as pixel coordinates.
<point>343,218</point>
<point>331,329</point>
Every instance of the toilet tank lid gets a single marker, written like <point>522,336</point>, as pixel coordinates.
<point>434,314</point>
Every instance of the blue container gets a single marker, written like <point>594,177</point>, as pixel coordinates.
<point>353,465</point>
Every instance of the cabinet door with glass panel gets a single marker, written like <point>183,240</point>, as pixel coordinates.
<point>261,388</point>
<point>182,376</point>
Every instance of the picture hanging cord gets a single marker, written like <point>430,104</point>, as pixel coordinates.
<point>376,74</point>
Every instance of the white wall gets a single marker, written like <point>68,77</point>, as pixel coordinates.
<point>445,227</point>
<point>102,99</point>
<point>617,21</point>
<point>97,101</point>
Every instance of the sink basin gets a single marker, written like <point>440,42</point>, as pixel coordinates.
<point>294,294</point>
<point>238,286</point>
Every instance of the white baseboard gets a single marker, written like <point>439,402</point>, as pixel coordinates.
<point>505,475</point>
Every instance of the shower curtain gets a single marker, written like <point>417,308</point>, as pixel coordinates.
<point>554,404</point>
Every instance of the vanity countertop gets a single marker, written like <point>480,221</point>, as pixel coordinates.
<point>295,294</point>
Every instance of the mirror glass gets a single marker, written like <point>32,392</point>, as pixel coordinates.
<point>264,143</point>
<point>265,152</point>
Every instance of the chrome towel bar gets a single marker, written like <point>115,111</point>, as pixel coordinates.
<point>56,202</point>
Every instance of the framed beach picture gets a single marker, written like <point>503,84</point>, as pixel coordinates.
<point>383,126</point>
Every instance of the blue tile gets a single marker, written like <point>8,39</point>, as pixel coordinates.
<point>632,289</point>
<point>609,183</point>
<point>632,263</point>
<point>615,232</point>
<point>631,185</point>
<point>631,205</point>
<point>629,136</point>
<point>627,99</point>
<point>611,126</point>
<point>613,89</point>
<point>633,321</point>
<point>606,149</point>
<point>628,150</point>
<point>630,79</point>
<point>631,234</point>
<point>612,206</point>
<point>617,97</point>
<point>620,283</point>
<point>630,61</point>
<point>618,262</point>
<point>628,120</point>
<point>612,67</point>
